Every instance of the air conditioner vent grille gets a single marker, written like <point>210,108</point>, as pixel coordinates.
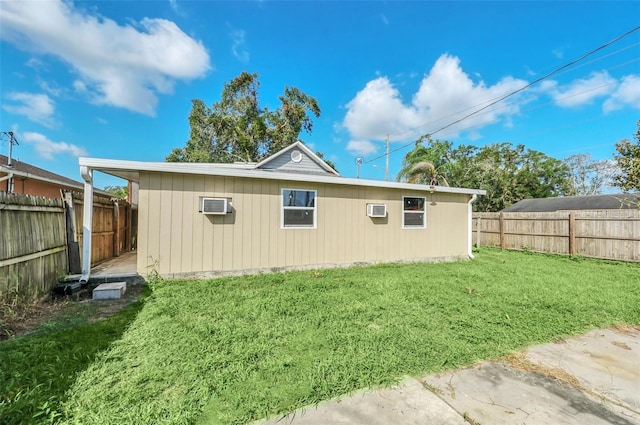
<point>376,210</point>
<point>214,206</point>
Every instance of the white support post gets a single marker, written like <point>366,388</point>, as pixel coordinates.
<point>470,224</point>
<point>87,222</point>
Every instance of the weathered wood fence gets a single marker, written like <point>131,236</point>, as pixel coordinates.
<point>608,234</point>
<point>33,244</point>
<point>41,238</point>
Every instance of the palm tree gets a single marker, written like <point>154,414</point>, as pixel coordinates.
<point>424,172</point>
<point>422,164</point>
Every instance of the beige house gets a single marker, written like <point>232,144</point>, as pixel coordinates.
<point>289,211</point>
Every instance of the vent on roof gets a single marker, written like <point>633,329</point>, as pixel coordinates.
<point>218,206</point>
<point>376,210</point>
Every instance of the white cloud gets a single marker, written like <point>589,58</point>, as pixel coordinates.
<point>238,45</point>
<point>361,147</point>
<point>174,5</point>
<point>48,149</point>
<point>627,94</point>
<point>582,91</point>
<point>445,94</point>
<point>37,107</point>
<point>123,65</point>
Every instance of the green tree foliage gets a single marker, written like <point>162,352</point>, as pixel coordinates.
<point>508,173</point>
<point>237,128</point>
<point>627,157</point>
<point>117,191</point>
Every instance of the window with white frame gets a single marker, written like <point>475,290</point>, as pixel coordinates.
<point>414,214</point>
<point>298,208</point>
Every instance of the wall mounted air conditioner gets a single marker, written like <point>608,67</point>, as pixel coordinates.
<point>376,210</point>
<point>219,206</point>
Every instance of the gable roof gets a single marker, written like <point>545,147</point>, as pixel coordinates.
<point>565,203</point>
<point>23,169</point>
<point>306,161</point>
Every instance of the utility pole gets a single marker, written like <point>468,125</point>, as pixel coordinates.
<point>358,163</point>
<point>386,167</point>
<point>12,140</point>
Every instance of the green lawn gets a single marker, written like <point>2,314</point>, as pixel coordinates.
<point>234,350</point>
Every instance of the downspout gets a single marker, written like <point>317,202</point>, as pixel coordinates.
<point>470,213</point>
<point>87,222</point>
<point>9,177</point>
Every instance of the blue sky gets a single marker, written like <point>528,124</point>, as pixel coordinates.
<point>115,79</point>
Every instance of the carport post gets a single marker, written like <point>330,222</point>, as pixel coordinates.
<point>87,222</point>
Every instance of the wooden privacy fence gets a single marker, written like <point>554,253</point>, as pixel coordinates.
<point>111,233</point>
<point>608,234</point>
<point>33,244</point>
<point>41,239</point>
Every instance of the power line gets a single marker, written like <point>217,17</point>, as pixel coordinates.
<point>544,77</point>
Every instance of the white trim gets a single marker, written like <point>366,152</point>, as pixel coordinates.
<point>306,150</point>
<point>283,207</point>
<point>424,212</point>
<point>131,169</point>
<point>470,224</point>
<point>87,222</point>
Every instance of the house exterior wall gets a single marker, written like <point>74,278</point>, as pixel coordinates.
<point>32,187</point>
<point>175,239</point>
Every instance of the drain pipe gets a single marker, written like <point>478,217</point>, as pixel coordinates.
<point>7,177</point>
<point>470,206</point>
<point>87,222</point>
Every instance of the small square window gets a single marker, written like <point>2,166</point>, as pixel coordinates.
<point>414,214</point>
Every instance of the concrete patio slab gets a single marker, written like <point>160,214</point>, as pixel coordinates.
<point>606,362</point>
<point>590,379</point>
<point>407,403</point>
<point>493,393</point>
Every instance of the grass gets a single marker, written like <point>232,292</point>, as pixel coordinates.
<point>233,350</point>
<point>37,370</point>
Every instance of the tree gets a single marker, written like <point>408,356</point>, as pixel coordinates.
<point>238,128</point>
<point>588,176</point>
<point>423,164</point>
<point>508,173</point>
<point>117,191</point>
<point>628,161</point>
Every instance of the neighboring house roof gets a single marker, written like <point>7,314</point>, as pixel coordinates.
<point>130,170</point>
<point>592,202</point>
<point>22,169</point>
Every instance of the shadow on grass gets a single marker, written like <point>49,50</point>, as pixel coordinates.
<point>38,369</point>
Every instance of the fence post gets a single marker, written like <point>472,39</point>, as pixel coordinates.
<point>478,226</point>
<point>75,266</point>
<point>572,233</point>
<point>502,241</point>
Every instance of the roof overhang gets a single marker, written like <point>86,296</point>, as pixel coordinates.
<point>130,170</point>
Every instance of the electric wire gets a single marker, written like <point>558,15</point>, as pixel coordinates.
<point>494,102</point>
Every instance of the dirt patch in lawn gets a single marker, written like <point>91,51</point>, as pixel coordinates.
<point>58,312</point>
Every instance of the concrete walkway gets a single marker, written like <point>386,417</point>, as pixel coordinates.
<point>592,379</point>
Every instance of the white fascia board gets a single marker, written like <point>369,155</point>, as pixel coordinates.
<point>111,166</point>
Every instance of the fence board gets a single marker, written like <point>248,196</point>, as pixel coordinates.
<point>610,234</point>
<point>32,244</point>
